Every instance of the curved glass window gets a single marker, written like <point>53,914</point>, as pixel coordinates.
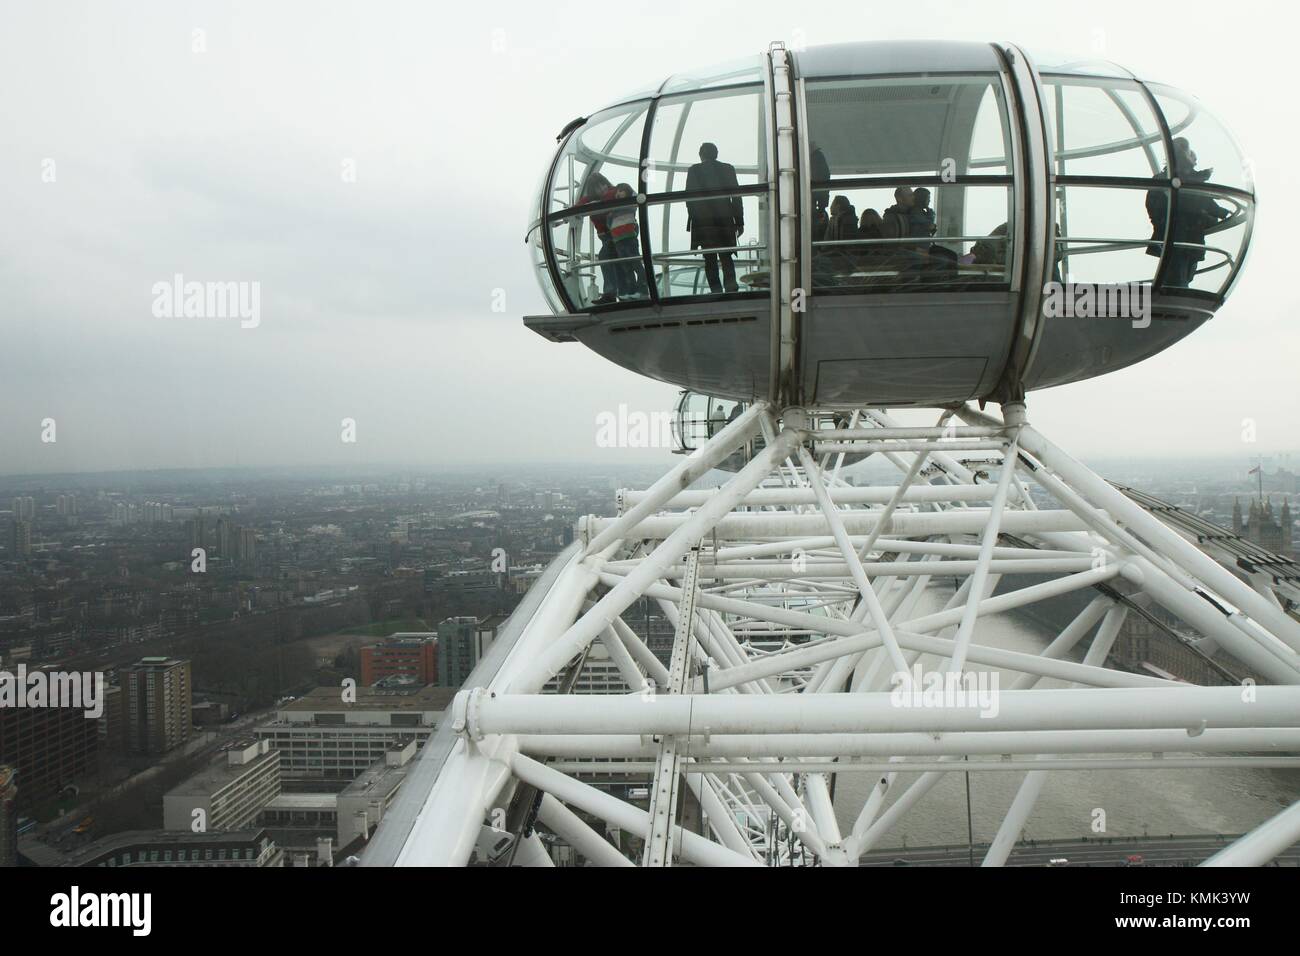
<point>699,417</point>
<point>1108,235</point>
<point>1208,239</point>
<point>732,120</point>
<point>537,250</point>
<point>598,255</point>
<point>1102,127</point>
<point>708,147</point>
<point>710,245</point>
<point>1054,61</point>
<point>747,69</point>
<point>1211,155</point>
<point>608,144</point>
<point>878,237</point>
<point>907,126</point>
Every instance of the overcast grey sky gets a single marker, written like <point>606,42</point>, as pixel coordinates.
<point>376,295</point>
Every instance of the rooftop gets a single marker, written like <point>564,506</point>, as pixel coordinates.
<point>408,699</point>
<point>219,774</point>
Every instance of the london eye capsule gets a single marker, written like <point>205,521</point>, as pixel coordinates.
<point>895,223</point>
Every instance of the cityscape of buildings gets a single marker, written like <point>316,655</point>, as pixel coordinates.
<point>277,650</point>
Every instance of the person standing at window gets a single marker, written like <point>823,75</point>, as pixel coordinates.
<point>600,189</point>
<point>624,230</point>
<point>715,222</point>
<point>1197,215</point>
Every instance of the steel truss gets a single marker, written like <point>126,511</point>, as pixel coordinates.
<point>794,598</point>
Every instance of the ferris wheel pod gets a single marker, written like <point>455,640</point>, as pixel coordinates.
<point>698,417</point>
<point>778,270</point>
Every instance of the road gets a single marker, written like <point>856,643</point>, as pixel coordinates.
<point>1187,850</point>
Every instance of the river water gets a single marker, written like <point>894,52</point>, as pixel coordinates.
<point>1136,803</point>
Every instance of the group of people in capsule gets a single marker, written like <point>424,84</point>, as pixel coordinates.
<point>715,223</point>
<point>849,243</point>
<point>845,240</point>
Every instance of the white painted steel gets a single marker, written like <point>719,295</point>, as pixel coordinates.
<point>807,617</point>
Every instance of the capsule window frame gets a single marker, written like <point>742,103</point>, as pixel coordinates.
<point>645,106</point>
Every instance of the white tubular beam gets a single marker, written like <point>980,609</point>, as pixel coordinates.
<point>897,432</point>
<point>1102,495</point>
<point>867,832</point>
<point>1262,843</point>
<point>981,575</point>
<point>841,495</point>
<point>900,493</point>
<point>719,818</point>
<point>1215,622</point>
<point>951,467</point>
<point>567,825</point>
<point>557,613</point>
<point>1064,642</point>
<point>804,587</point>
<point>865,590</point>
<point>674,545</point>
<point>698,463</point>
<point>827,649</point>
<point>846,628</point>
<point>1032,786</point>
<point>783,809</point>
<point>1001,765</point>
<point>627,668</point>
<point>831,448</point>
<point>736,746</point>
<point>462,798</point>
<point>736,654</point>
<point>653,667</point>
<point>694,848</point>
<point>1086,673</point>
<point>903,545</point>
<point>819,804</point>
<point>833,570</point>
<point>683,714</point>
<point>805,655</point>
<point>783,524</point>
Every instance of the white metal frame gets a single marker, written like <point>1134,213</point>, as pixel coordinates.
<point>790,643</point>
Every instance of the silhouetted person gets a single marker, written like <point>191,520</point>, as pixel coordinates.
<point>896,223</point>
<point>843,227</point>
<point>871,226</point>
<point>600,189</point>
<point>821,173</point>
<point>920,218</point>
<point>717,418</point>
<point>716,222</point>
<point>1196,215</point>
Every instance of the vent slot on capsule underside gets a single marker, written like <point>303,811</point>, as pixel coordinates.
<point>679,323</point>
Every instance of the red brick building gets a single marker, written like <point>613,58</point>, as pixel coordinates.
<point>408,655</point>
